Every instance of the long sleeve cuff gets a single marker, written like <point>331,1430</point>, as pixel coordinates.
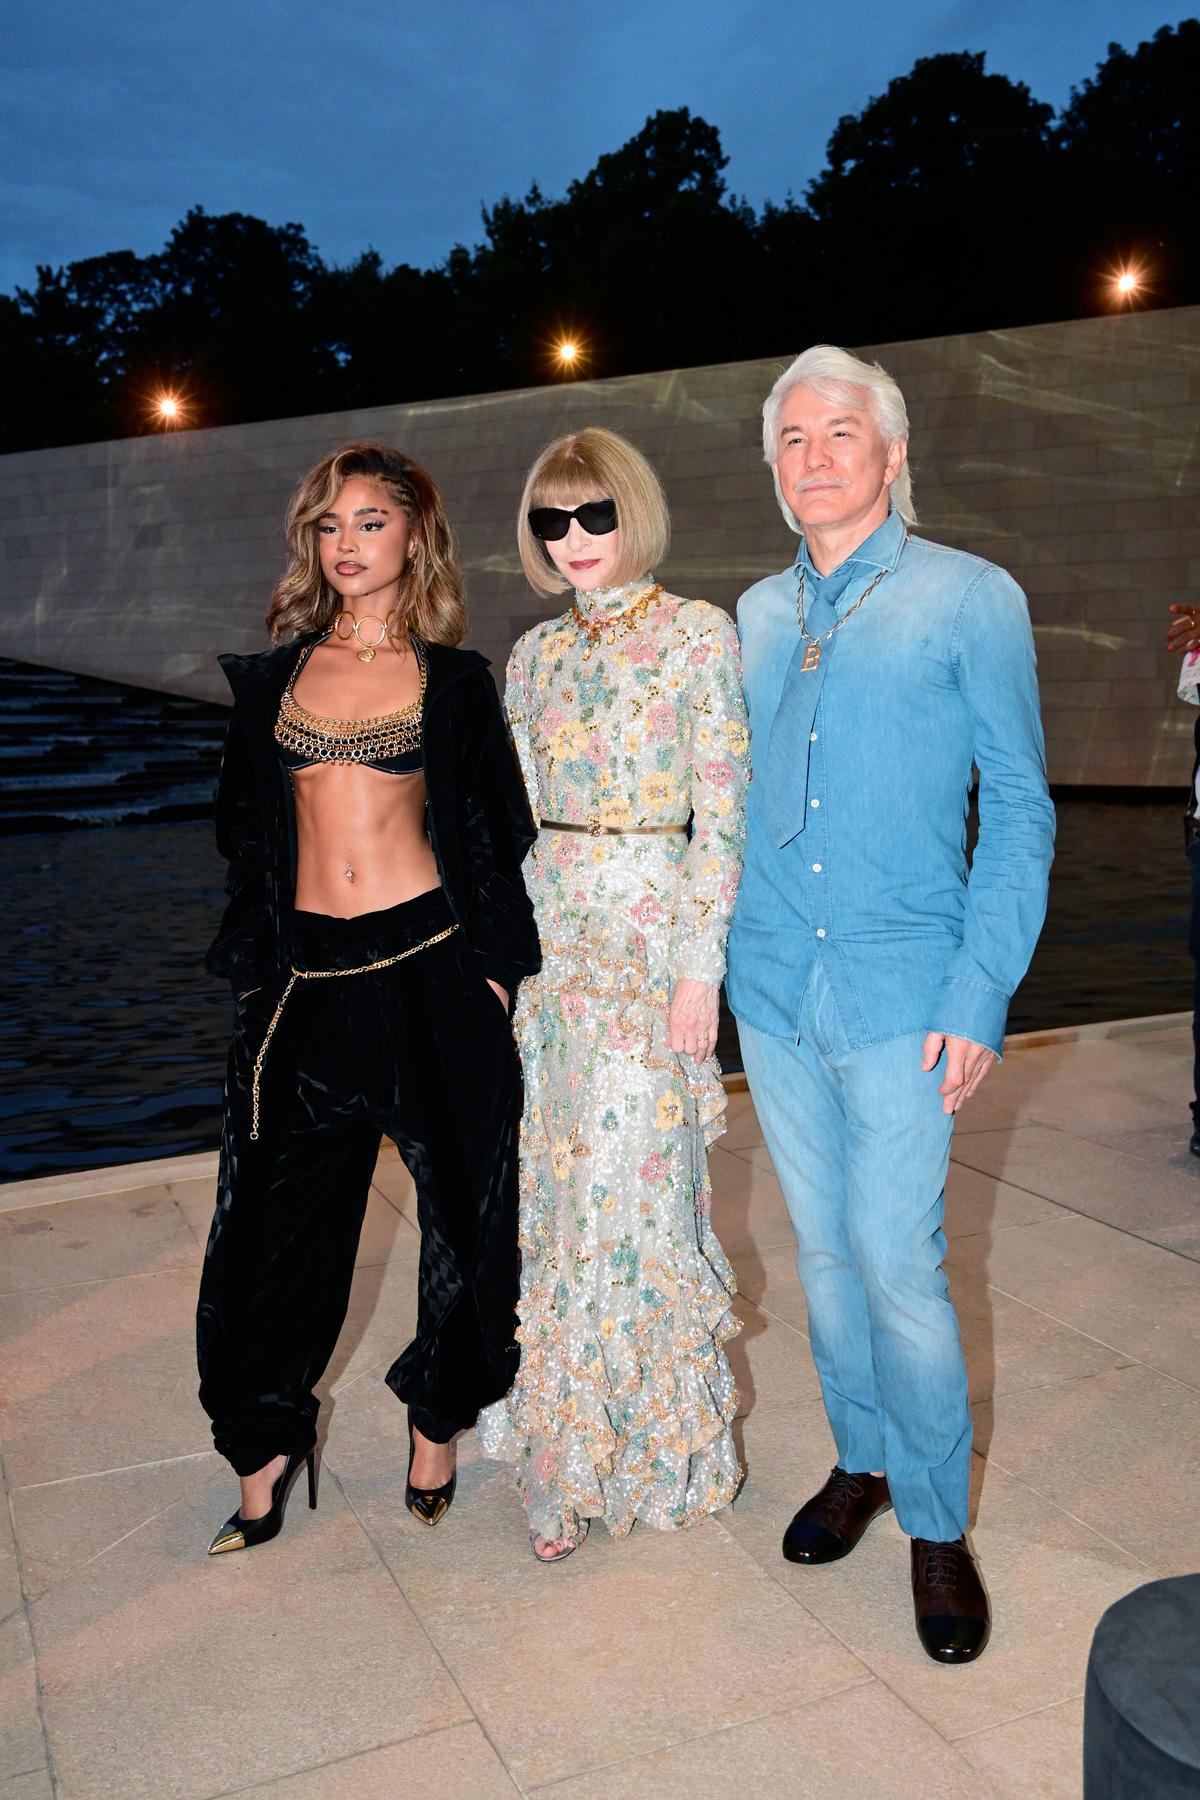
<point>968,1009</point>
<point>701,960</point>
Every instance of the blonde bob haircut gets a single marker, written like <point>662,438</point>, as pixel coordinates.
<point>595,464</point>
<point>430,603</point>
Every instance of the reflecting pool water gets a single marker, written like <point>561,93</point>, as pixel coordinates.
<point>112,1037</point>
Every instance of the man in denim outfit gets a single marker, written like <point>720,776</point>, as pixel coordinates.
<point>869,970</point>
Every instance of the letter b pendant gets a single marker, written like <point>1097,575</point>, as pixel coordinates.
<point>812,657</point>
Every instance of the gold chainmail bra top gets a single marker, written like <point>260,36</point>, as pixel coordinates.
<point>390,742</point>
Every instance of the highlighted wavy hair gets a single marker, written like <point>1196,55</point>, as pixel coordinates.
<point>431,587</point>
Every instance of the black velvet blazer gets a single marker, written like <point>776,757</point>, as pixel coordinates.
<point>479,823</point>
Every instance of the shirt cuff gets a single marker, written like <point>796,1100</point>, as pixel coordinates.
<point>697,962</point>
<point>967,1009</point>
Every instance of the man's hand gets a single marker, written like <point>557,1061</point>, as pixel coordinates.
<point>1183,633</point>
<point>692,1024</point>
<point>966,1065</point>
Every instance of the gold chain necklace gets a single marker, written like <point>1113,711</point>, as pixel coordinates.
<point>812,654</point>
<point>629,620</point>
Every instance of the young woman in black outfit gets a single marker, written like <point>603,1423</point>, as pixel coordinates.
<point>374,823</point>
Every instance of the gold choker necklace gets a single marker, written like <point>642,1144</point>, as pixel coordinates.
<point>607,628</point>
<point>367,653</point>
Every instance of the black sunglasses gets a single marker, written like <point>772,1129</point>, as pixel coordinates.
<point>550,523</point>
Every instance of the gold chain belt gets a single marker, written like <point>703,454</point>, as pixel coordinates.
<point>385,962</point>
<point>607,830</point>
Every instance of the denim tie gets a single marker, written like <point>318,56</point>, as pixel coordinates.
<point>782,796</point>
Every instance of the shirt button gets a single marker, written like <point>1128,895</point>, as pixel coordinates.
<point>816,868</point>
<point>820,931</point>
<point>814,803</point>
<point>812,737</point>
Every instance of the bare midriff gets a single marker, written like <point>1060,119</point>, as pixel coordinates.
<point>361,841</point>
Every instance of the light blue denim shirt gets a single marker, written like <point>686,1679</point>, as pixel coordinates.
<point>856,828</point>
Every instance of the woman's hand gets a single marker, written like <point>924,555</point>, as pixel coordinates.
<point>692,1023</point>
<point>498,991</point>
<point>1183,634</point>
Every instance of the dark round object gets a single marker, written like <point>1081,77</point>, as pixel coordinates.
<point>1141,1726</point>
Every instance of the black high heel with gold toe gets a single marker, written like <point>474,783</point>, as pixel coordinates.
<point>427,1504</point>
<point>243,1534</point>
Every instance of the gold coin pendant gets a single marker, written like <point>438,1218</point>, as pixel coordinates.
<point>367,655</point>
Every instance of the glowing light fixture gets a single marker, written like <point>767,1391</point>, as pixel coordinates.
<point>167,411</point>
<point>566,352</point>
<point>1127,282</point>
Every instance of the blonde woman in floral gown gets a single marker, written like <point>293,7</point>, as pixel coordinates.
<point>628,719</point>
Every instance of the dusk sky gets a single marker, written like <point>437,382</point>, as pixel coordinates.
<point>383,125</point>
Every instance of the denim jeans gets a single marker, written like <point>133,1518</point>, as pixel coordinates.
<point>861,1147</point>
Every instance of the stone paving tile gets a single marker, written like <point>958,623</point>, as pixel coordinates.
<point>100,1376</point>
<point>863,1741</point>
<point>1009,1346</point>
<point>366,1430</point>
<point>651,1638</point>
<point>1049,1577</point>
<point>84,1184</point>
<point>196,1200</point>
<point>1129,1294</point>
<point>1038,1757</point>
<point>22,1745</point>
<point>65,1524</point>
<point>742,1129</point>
<point>1089,1177</point>
<point>978,1202</point>
<point>771,1361</point>
<point>11,1596</point>
<point>169,1675</point>
<point>1120,1450</point>
<point>456,1763</point>
<point>1091,1085</point>
<point>749,1212</point>
<point>382,1315</point>
<point>768,1279</point>
<point>393,1181</point>
<point>133,1233</point>
<point>35,1784</point>
<point>740,1657</point>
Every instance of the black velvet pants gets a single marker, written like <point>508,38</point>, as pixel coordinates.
<point>423,1051</point>
<point>1193,857</point>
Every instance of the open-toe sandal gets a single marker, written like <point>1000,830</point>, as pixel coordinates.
<point>569,1547</point>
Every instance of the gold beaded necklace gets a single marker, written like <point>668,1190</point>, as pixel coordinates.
<point>608,627</point>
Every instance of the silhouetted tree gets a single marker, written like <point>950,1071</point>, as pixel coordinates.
<point>228,321</point>
<point>954,201</point>
<point>1130,138</point>
<point>936,206</point>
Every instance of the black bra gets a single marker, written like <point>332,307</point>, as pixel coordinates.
<point>390,743</point>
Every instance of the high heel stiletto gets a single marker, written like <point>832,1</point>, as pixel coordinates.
<point>243,1534</point>
<point>427,1504</point>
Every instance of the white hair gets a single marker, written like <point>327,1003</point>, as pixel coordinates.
<point>837,375</point>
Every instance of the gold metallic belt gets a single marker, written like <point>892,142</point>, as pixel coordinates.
<point>607,830</point>
<point>385,962</point>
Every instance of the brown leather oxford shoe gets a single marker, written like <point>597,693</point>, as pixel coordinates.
<point>954,1617</point>
<point>830,1524</point>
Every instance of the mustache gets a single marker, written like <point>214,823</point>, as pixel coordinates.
<point>802,487</point>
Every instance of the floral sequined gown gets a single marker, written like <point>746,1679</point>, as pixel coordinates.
<point>624,1400</point>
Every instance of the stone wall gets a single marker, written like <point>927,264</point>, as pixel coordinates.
<point>1069,453</point>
